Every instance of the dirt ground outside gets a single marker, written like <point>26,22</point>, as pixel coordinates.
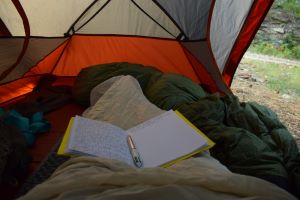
<point>248,86</point>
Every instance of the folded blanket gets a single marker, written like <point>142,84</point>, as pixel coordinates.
<point>195,178</point>
<point>122,104</point>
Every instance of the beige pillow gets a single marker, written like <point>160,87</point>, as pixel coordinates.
<point>123,104</point>
<point>101,88</point>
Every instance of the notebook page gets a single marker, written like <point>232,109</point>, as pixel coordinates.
<point>99,139</point>
<point>165,138</point>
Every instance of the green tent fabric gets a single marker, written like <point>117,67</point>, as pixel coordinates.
<point>249,137</point>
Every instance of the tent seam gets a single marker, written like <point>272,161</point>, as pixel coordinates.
<point>227,68</point>
<point>58,59</point>
<point>238,37</point>
<point>148,15</point>
<point>171,18</point>
<point>78,18</point>
<point>193,67</point>
<point>214,64</point>
<point>3,29</point>
<point>120,35</point>
<point>96,13</point>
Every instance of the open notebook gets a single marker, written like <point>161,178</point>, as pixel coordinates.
<point>160,141</point>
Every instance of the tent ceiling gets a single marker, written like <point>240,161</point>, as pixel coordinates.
<point>46,18</point>
<point>129,17</point>
<point>52,18</point>
<point>93,9</point>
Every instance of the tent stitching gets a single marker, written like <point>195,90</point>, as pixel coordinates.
<point>121,35</point>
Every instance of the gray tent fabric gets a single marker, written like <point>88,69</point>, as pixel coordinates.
<point>9,51</point>
<point>38,48</point>
<point>185,12</point>
<point>226,23</point>
<point>205,58</point>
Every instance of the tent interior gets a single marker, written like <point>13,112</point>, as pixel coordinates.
<point>49,51</point>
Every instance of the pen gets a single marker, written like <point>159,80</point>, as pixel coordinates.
<point>134,153</point>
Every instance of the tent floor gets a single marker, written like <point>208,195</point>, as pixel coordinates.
<point>59,120</point>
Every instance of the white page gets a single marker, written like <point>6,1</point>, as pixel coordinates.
<point>165,138</point>
<point>99,139</point>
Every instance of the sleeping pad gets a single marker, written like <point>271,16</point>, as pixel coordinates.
<point>249,137</point>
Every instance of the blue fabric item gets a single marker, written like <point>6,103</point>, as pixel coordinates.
<point>29,127</point>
